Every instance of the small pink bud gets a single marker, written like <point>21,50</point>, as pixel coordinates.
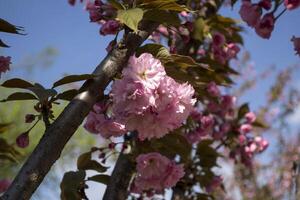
<point>111,145</point>
<point>29,118</point>
<point>245,128</point>
<point>265,4</point>
<point>250,117</point>
<point>23,140</point>
<point>242,139</point>
<point>213,89</point>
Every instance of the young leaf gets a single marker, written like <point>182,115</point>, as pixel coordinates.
<point>169,5</point>
<point>117,5</point>
<point>73,78</point>
<point>101,178</point>
<point>67,95</point>
<point>19,96</point>
<point>9,28</point>
<point>243,110</point>
<point>157,50</point>
<point>2,44</point>
<point>85,162</point>
<point>17,83</point>
<point>131,17</point>
<point>162,16</point>
<point>71,185</point>
<point>42,93</point>
<point>4,127</point>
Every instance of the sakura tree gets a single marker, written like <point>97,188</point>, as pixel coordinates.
<point>159,98</point>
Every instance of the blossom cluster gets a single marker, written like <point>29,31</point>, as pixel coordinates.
<point>251,13</point>
<point>221,50</point>
<point>156,172</point>
<point>4,64</point>
<point>146,100</point>
<point>215,121</point>
<point>219,119</point>
<point>103,14</point>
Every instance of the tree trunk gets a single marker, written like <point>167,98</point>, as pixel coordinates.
<point>57,134</point>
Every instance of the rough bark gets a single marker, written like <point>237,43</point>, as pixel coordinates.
<point>57,134</point>
<point>117,188</point>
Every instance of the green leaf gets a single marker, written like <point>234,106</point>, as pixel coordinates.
<point>101,178</point>
<point>169,5</point>
<point>9,28</point>
<point>4,127</point>
<point>200,29</point>
<point>42,93</point>
<point>71,185</point>
<point>117,5</point>
<point>208,155</point>
<point>67,95</point>
<point>5,156</point>
<point>131,17</point>
<point>19,96</point>
<point>243,110</point>
<point>8,150</point>
<point>85,162</point>
<point>2,44</point>
<point>260,124</point>
<point>162,16</point>
<point>183,61</point>
<point>73,78</point>
<point>157,50</point>
<point>17,83</point>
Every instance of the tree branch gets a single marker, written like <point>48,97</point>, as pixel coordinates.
<point>117,189</point>
<point>61,130</point>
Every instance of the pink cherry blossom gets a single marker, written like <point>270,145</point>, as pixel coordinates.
<point>4,64</point>
<point>94,9</point>
<point>173,104</point>
<point>227,102</point>
<point>131,97</point>
<point>245,128</point>
<point>213,89</point>
<point>218,39</point>
<point>261,143</point>
<point>4,184</point>
<point>250,13</point>
<point>296,41</point>
<point>149,101</point>
<point>266,4</point>
<point>98,123</point>
<point>110,27</point>
<point>207,122</point>
<point>232,50</point>
<point>156,172</point>
<point>197,135</point>
<point>291,4</point>
<point>145,69</point>
<point>250,117</point>
<point>265,26</point>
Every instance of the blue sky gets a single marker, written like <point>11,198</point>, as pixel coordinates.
<point>53,23</point>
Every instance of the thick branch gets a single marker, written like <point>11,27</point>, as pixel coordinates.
<point>117,189</point>
<point>57,135</point>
